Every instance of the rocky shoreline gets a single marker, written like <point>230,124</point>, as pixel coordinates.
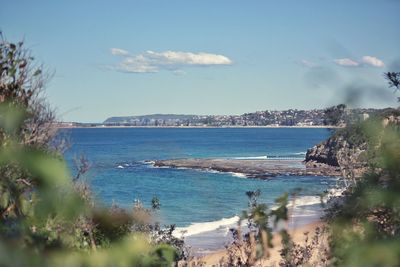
<point>338,152</point>
<point>253,168</point>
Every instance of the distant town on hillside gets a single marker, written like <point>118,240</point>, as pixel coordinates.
<point>290,117</point>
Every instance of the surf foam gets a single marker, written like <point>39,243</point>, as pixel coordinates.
<point>238,174</point>
<point>226,223</point>
<point>249,158</point>
<point>198,228</point>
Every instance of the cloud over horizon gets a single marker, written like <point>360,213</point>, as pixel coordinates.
<point>153,62</point>
<point>308,64</point>
<point>119,52</point>
<point>365,61</point>
<point>373,61</point>
<point>346,62</point>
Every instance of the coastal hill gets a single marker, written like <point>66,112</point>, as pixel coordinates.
<point>290,117</point>
<point>151,118</point>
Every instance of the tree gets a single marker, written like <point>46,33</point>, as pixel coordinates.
<point>21,84</point>
<point>365,221</point>
<point>334,115</point>
<point>393,79</point>
<point>45,218</point>
<point>26,117</point>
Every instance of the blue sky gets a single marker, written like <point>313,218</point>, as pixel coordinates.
<point>114,58</point>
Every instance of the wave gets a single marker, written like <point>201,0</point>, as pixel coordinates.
<point>305,201</point>
<point>226,223</point>
<point>198,228</point>
<point>122,165</point>
<point>300,210</point>
<point>336,192</point>
<point>313,200</point>
<point>238,174</point>
<point>254,157</point>
<point>288,156</point>
<point>234,174</point>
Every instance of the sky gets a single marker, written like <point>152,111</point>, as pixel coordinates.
<point>120,58</point>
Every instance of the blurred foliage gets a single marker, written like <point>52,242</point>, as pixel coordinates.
<point>46,222</point>
<point>252,242</point>
<point>362,225</point>
<point>46,216</point>
<point>21,90</point>
<point>366,223</point>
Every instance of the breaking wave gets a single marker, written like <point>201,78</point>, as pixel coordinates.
<point>249,158</point>
<point>198,228</point>
<point>224,224</point>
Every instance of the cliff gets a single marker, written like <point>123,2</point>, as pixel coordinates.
<point>347,148</point>
<point>338,152</point>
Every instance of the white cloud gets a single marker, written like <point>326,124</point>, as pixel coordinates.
<point>151,61</point>
<point>373,61</point>
<point>365,61</point>
<point>308,64</point>
<point>119,52</point>
<point>346,62</point>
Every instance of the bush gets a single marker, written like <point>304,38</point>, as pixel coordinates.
<point>46,219</point>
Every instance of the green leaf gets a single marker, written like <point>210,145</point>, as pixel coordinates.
<point>11,117</point>
<point>4,199</point>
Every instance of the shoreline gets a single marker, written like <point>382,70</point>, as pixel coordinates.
<point>297,233</point>
<point>204,127</point>
<point>205,238</point>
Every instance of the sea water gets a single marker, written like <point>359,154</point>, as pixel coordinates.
<point>203,204</point>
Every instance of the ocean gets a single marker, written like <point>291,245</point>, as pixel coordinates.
<point>204,204</point>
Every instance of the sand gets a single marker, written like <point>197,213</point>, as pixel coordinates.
<point>297,234</point>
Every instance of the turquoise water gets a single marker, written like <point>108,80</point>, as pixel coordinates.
<point>204,204</point>
<point>119,173</point>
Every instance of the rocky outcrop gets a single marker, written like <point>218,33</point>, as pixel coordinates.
<point>261,169</point>
<point>337,151</point>
<point>325,152</point>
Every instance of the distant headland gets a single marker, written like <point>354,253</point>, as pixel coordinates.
<point>268,118</point>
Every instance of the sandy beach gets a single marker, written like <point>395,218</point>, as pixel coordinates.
<point>298,235</point>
